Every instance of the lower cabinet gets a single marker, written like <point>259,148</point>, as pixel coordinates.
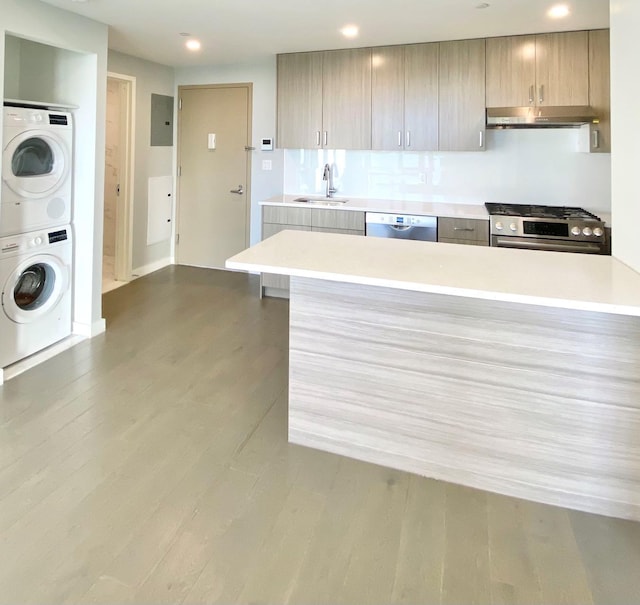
<point>279,218</point>
<point>472,232</point>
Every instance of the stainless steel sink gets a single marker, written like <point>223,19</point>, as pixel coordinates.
<point>321,201</point>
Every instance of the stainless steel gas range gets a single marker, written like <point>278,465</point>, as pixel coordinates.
<point>556,228</point>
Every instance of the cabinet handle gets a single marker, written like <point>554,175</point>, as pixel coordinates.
<point>481,138</point>
<point>531,95</point>
<point>541,93</point>
<point>326,138</point>
<point>464,228</point>
<point>596,139</point>
<point>318,138</point>
<point>399,138</point>
<point>408,138</point>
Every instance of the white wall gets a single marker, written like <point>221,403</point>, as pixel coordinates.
<point>519,166</point>
<point>12,68</point>
<point>149,161</point>
<point>625,132</point>
<point>81,81</point>
<point>262,74</point>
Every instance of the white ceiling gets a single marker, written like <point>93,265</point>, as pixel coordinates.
<point>236,31</point>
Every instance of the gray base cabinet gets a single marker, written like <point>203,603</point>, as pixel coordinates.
<point>276,219</point>
<point>472,232</point>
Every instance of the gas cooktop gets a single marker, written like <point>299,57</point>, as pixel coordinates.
<point>538,211</point>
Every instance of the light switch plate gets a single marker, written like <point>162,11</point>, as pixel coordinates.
<point>266,164</point>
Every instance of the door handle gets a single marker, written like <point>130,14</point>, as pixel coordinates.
<point>238,191</point>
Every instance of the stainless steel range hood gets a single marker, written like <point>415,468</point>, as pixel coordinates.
<point>540,117</point>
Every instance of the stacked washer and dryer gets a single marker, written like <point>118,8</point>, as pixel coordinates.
<point>35,232</point>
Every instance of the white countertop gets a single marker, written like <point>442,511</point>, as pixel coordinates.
<point>552,279</point>
<point>436,207</point>
<point>440,206</point>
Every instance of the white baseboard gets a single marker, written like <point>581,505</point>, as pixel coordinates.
<point>151,267</point>
<point>89,330</point>
<point>33,360</point>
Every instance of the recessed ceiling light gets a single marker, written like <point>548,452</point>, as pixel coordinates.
<point>349,31</point>
<point>193,44</point>
<point>558,11</point>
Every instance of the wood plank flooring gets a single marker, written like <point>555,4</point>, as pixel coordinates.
<point>151,465</point>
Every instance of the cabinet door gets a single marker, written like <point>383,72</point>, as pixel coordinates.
<point>511,71</point>
<point>462,95</point>
<point>346,99</point>
<point>599,93</point>
<point>460,230</point>
<point>387,98</point>
<point>337,219</point>
<point>421,96</point>
<point>562,69</point>
<point>299,100</point>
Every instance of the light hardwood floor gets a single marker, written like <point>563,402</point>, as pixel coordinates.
<point>150,465</point>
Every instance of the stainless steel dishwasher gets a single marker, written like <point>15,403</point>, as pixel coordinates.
<point>402,226</point>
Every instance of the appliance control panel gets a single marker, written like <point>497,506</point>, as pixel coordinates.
<point>400,220</point>
<point>573,229</point>
<point>28,242</point>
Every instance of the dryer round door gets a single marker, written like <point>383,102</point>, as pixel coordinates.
<point>34,288</point>
<point>35,163</point>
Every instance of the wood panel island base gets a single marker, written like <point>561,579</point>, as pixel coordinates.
<point>493,388</point>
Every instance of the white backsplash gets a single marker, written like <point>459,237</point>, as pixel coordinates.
<point>519,166</point>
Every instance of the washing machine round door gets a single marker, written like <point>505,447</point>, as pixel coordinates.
<point>35,164</point>
<point>34,288</point>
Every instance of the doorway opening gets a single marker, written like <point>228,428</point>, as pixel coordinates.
<point>118,181</point>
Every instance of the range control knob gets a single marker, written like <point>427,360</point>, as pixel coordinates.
<point>598,232</point>
<point>587,231</point>
<point>513,227</point>
<point>576,231</point>
<point>499,226</point>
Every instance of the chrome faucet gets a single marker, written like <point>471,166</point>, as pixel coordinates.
<point>327,175</point>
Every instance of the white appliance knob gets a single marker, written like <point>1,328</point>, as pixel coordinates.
<point>576,231</point>
<point>598,232</point>
<point>37,241</point>
<point>513,227</point>
<point>587,231</point>
<point>499,226</point>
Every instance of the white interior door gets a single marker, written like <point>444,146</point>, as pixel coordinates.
<point>214,173</point>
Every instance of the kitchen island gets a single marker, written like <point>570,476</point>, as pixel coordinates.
<point>513,371</point>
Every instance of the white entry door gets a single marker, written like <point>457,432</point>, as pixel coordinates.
<point>214,172</point>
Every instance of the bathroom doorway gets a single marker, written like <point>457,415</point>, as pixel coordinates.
<point>118,182</point>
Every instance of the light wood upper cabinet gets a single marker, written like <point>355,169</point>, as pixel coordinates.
<point>404,97</point>
<point>299,100</point>
<point>511,71</point>
<point>324,100</point>
<point>462,95</point>
<point>346,99</point>
<point>562,69</point>
<point>387,98</point>
<point>545,69</point>
<point>421,66</point>
<point>599,93</point>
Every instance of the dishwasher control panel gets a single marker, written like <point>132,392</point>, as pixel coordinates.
<point>401,226</point>
<point>414,220</point>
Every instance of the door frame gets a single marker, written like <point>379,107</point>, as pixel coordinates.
<point>124,211</point>
<point>248,148</point>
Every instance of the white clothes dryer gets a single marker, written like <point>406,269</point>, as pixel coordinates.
<point>35,277</point>
<point>37,159</point>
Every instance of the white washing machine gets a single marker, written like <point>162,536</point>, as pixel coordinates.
<point>35,277</point>
<point>37,159</point>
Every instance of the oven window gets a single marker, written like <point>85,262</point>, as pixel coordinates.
<point>34,287</point>
<point>33,157</point>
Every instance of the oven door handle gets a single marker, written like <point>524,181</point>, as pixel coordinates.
<point>506,242</point>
